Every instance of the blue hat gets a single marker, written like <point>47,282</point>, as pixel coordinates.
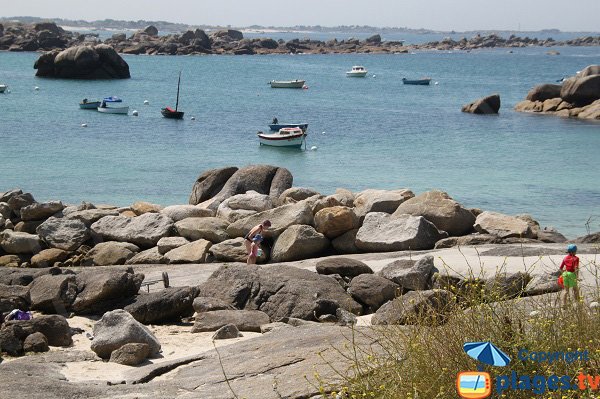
<point>572,248</point>
<point>257,237</point>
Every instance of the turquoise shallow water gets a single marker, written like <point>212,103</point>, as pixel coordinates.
<point>378,133</point>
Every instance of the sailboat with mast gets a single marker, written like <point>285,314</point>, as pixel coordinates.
<point>171,113</point>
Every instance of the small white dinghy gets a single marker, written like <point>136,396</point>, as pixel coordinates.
<point>106,106</point>
<point>287,84</point>
<point>285,137</point>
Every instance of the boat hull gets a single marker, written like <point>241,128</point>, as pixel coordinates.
<point>3,88</point>
<point>351,74</point>
<point>287,84</point>
<point>277,126</point>
<point>288,141</point>
<point>171,114</point>
<point>89,105</point>
<point>114,110</point>
<point>418,82</point>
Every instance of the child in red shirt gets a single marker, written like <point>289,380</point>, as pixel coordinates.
<point>570,264</point>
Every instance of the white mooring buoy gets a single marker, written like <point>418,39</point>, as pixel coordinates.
<point>193,118</point>
<point>84,125</point>
<point>146,102</point>
<point>134,113</point>
<point>314,148</point>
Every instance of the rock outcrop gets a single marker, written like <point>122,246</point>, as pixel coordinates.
<point>486,105</point>
<point>83,62</point>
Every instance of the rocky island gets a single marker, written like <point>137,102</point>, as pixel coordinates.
<point>47,36</point>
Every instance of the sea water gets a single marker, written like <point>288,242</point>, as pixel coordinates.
<point>369,133</point>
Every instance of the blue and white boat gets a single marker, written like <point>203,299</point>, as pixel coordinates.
<point>106,106</point>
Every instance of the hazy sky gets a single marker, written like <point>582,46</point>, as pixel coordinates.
<point>459,15</point>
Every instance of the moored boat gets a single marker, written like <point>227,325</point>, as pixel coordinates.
<point>287,84</point>
<point>3,88</point>
<point>357,71</point>
<point>277,126</point>
<point>285,137</point>
<point>421,82</point>
<point>87,104</point>
<point>106,107</point>
<point>171,113</point>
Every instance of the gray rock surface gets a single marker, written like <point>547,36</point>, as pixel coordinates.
<point>441,210</point>
<point>243,320</point>
<point>90,216</point>
<point>228,331</point>
<point>130,354</point>
<point>346,243</point>
<point>14,297</point>
<point>170,304</point>
<point>542,284</point>
<point>63,233</point>
<point>148,257</point>
<point>83,62</point>
<point>212,229</point>
<point>581,90</point>
<point>296,194</point>
<point>416,307</point>
<point>53,294</point>
<point>410,274</point>
<point>544,92</point>
<point>243,205</point>
<point>345,267</point>
<point>234,250</point>
<point>194,252</point>
<point>503,286</point>
<point>372,290</point>
<point>118,328</point>
<point>47,257</point>
<point>41,210</point>
<point>210,183</point>
<point>143,231</point>
<point>110,253</point>
<point>20,243</point>
<point>485,105</point>
<point>281,218</point>
<point>298,242</point>
<point>207,304</point>
<point>36,342</point>
<point>382,232</point>
<point>180,212</point>
<point>278,290</point>
<point>503,226</point>
<point>380,201</point>
<point>166,244</point>
<point>99,291</point>
<point>54,327</point>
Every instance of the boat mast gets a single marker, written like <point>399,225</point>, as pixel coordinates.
<point>178,82</point>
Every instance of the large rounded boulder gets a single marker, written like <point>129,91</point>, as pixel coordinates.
<point>441,210</point>
<point>83,62</point>
<point>486,105</point>
<point>581,90</point>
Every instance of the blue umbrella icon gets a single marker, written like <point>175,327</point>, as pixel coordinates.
<point>487,353</point>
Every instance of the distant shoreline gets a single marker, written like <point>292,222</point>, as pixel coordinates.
<point>174,27</point>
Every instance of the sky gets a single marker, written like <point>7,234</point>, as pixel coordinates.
<point>446,15</point>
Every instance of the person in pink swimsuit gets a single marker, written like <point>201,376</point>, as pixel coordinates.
<point>254,249</point>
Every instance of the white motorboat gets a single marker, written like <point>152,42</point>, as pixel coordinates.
<point>106,106</point>
<point>285,137</point>
<point>3,88</point>
<point>287,84</point>
<point>357,71</point>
